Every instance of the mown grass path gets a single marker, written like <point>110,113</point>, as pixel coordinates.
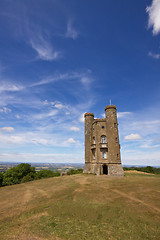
<point>81,207</point>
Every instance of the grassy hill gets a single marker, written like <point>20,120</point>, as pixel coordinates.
<point>82,207</point>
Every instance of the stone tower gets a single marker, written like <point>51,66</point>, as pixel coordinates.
<point>102,148</point>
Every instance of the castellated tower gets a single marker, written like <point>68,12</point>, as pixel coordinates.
<point>102,148</point>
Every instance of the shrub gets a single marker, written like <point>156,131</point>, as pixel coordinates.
<point>75,171</point>
<point>1,179</point>
<point>46,174</point>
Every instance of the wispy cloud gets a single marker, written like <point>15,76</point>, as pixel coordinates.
<point>45,115</point>
<point>133,137</point>
<point>5,110</point>
<point>86,81</point>
<point>154,16</point>
<point>154,55</point>
<point>44,49</point>
<point>81,118</point>
<point>82,77</point>
<point>123,114</point>
<point>54,78</point>
<point>43,157</point>
<point>71,31</point>
<point>7,129</point>
<point>75,129</point>
<point>71,140</point>
<point>12,87</point>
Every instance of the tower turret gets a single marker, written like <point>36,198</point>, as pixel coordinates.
<point>89,118</point>
<point>114,156</point>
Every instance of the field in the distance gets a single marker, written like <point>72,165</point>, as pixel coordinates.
<point>82,207</point>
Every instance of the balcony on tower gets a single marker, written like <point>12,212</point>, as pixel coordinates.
<point>93,146</point>
<point>103,145</point>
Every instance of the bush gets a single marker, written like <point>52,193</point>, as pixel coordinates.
<point>46,174</point>
<point>75,171</point>
<point>1,179</point>
<point>147,169</point>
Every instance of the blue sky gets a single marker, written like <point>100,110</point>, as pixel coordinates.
<point>60,59</point>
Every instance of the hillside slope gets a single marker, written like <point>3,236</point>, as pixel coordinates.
<point>82,207</point>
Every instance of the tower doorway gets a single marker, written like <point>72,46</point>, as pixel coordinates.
<point>105,169</point>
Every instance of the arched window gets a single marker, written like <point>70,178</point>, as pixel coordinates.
<point>94,140</point>
<point>103,139</point>
<point>93,152</point>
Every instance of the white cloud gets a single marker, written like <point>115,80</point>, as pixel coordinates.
<point>154,16</point>
<point>71,140</point>
<point>135,157</point>
<point>7,129</point>
<point>133,137</point>
<point>86,81</point>
<point>44,49</point>
<point>5,110</point>
<point>44,158</point>
<point>81,118</point>
<point>75,129</point>
<point>18,116</point>
<point>40,116</point>
<point>52,113</point>
<point>123,114</point>
<point>16,139</point>
<point>71,32</point>
<point>6,86</point>
<point>59,105</point>
<point>153,55</point>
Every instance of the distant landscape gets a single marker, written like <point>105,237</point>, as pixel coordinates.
<point>55,167</point>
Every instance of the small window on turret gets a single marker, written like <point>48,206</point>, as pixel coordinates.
<point>93,152</point>
<point>117,156</point>
<point>94,140</point>
<point>115,125</point>
<point>102,126</point>
<point>103,139</point>
<point>116,139</point>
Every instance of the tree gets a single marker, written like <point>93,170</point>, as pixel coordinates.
<point>16,174</point>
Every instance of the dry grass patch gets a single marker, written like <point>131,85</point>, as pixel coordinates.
<point>82,207</point>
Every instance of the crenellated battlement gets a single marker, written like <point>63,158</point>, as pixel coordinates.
<point>88,114</point>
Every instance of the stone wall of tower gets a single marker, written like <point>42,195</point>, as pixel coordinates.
<point>89,117</point>
<point>100,155</point>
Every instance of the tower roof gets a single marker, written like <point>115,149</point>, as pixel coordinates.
<point>88,114</point>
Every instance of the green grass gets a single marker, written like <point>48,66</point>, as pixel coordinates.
<point>82,207</point>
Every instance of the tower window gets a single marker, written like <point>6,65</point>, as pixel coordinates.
<point>94,140</point>
<point>116,139</point>
<point>102,126</point>
<point>115,125</point>
<point>104,154</point>
<point>103,139</point>
<point>117,155</point>
<point>93,152</point>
